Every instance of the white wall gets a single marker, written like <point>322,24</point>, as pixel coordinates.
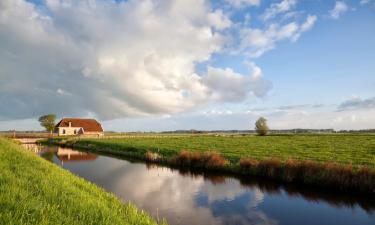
<point>64,131</point>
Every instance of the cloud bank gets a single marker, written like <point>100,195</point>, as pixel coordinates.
<point>130,58</point>
<point>112,60</point>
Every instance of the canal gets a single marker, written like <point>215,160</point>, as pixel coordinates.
<point>187,197</point>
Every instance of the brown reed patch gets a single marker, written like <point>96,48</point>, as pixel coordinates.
<point>365,179</point>
<point>204,160</point>
<point>183,158</point>
<point>292,170</point>
<point>334,174</point>
<point>270,168</point>
<point>309,170</point>
<point>214,159</point>
<point>248,163</point>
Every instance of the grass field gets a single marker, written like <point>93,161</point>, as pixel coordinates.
<point>354,149</point>
<point>34,191</point>
<point>344,162</point>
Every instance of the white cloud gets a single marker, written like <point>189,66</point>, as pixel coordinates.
<point>364,2</point>
<point>218,20</point>
<point>306,26</point>
<point>215,112</point>
<point>181,193</point>
<point>277,8</point>
<point>243,3</point>
<point>339,9</point>
<point>113,60</point>
<point>227,85</point>
<point>257,41</point>
<point>357,103</point>
<point>310,21</point>
<point>62,92</point>
<point>367,2</point>
<point>309,117</point>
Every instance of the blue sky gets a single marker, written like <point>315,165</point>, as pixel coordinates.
<point>155,65</point>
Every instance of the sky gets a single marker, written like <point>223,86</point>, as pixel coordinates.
<point>155,65</point>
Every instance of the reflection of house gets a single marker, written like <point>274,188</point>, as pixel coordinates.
<point>66,154</point>
<point>77,126</point>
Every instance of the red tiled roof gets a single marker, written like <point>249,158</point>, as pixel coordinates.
<point>88,125</point>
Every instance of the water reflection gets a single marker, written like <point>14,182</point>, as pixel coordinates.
<point>63,154</point>
<point>193,197</point>
<point>270,187</point>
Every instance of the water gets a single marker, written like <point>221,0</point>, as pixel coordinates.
<point>184,197</point>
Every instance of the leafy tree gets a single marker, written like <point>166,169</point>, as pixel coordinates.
<point>261,126</point>
<point>48,122</point>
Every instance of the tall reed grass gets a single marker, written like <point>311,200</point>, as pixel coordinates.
<point>333,175</point>
<point>200,160</point>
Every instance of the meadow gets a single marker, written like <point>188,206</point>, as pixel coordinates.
<point>354,149</point>
<point>339,161</point>
<point>34,191</point>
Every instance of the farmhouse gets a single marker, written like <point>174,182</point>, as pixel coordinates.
<point>78,126</point>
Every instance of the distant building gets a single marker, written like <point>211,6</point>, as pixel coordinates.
<point>77,126</point>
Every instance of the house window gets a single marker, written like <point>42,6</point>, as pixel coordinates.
<point>63,131</point>
<point>75,131</point>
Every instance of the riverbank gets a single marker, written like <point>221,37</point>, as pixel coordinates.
<point>34,191</point>
<point>342,162</point>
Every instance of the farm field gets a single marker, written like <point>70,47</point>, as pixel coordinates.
<point>354,149</point>
<point>34,191</point>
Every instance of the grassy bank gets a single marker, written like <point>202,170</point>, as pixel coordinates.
<point>34,191</point>
<point>345,162</point>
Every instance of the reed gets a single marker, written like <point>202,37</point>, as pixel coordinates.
<point>332,175</point>
<point>200,160</point>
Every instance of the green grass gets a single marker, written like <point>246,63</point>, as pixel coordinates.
<point>358,150</point>
<point>34,191</point>
<point>341,162</point>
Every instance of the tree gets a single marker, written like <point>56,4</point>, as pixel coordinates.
<point>261,126</point>
<point>48,122</point>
